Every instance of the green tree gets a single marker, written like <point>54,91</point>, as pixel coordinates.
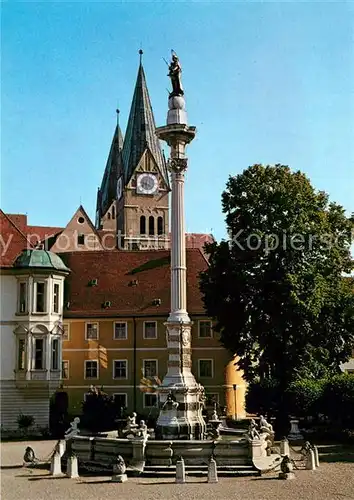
<point>276,288</point>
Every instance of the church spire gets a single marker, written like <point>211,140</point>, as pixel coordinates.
<point>114,168</point>
<point>140,133</point>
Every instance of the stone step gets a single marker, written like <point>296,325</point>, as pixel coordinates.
<point>200,470</point>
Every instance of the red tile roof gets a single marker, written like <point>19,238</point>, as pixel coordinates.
<point>116,272</point>
<point>41,233</point>
<point>13,241</point>
<point>33,233</point>
<point>20,220</point>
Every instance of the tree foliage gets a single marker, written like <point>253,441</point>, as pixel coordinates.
<point>99,411</point>
<point>276,288</point>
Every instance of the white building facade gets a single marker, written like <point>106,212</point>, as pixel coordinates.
<point>32,299</point>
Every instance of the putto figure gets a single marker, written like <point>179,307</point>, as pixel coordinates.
<point>175,70</point>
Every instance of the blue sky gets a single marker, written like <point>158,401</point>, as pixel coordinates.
<point>268,82</point>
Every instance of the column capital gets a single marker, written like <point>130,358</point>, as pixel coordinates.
<point>177,165</point>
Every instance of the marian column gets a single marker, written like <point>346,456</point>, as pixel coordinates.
<point>181,397</point>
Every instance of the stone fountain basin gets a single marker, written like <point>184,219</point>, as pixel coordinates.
<point>103,451</point>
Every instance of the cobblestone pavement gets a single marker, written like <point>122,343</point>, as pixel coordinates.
<point>331,481</point>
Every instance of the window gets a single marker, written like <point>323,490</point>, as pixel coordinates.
<point>21,354</point>
<point>91,368</point>
<point>142,224</point>
<point>150,330</point>
<point>120,400</point>
<point>205,329</point>
<point>151,225</point>
<point>120,331</point>
<point>113,212</point>
<point>211,399</point>
<point>40,296</point>
<point>150,367</point>
<point>56,298</point>
<point>66,331</point>
<point>55,354</point>
<point>120,368</point>
<point>150,400</point>
<point>109,216</point>
<point>22,303</point>
<point>205,368</point>
<point>65,369</point>
<point>81,239</point>
<point>159,225</point>
<point>91,331</point>
<point>80,220</point>
<point>39,354</point>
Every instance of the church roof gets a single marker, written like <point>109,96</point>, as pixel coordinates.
<point>140,133</point>
<point>114,167</point>
<point>130,280</point>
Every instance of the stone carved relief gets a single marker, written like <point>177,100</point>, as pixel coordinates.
<point>186,360</point>
<point>177,165</point>
<point>186,336</point>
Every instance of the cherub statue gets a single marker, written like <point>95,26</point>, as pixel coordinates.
<point>131,421</point>
<point>264,425</point>
<point>252,430</point>
<point>73,429</point>
<point>215,413</point>
<point>143,430</point>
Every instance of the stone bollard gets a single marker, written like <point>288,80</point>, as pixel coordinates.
<point>180,471</point>
<point>119,468</point>
<point>317,458</point>
<point>284,447</point>
<point>72,469</point>
<point>212,472</point>
<point>62,446</point>
<point>310,460</point>
<point>295,434</point>
<point>55,465</point>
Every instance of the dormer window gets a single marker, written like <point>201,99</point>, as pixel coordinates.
<point>22,300</point>
<point>39,295</point>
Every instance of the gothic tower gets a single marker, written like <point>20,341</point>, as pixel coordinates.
<point>138,207</point>
<point>106,207</point>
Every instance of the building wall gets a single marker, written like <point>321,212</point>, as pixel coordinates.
<point>27,390</point>
<point>8,304</point>
<point>105,350</point>
<point>32,401</point>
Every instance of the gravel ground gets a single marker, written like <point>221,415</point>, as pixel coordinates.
<point>331,481</point>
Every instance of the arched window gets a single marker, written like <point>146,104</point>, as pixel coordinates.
<point>142,225</point>
<point>108,216</point>
<point>151,225</point>
<point>113,212</point>
<point>160,225</point>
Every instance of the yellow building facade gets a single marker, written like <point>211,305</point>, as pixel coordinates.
<point>116,353</point>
